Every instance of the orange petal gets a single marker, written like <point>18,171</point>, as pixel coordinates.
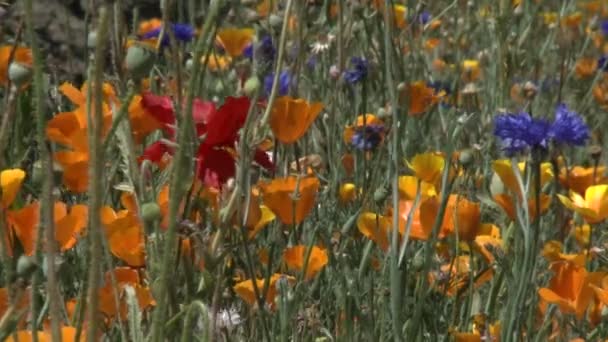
<point>10,182</point>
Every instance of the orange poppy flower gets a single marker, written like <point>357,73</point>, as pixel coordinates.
<point>234,40</point>
<point>142,122</point>
<point>453,276</point>
<point>421,98</point>
<point>570,287</point>
<point>266,216</point>
<point>508,178</point>
<point>125,235</point>
<point>245,290</point>
<point>593,207</point>
<point>585,67</point>
<point>291,118</point>
<point>68,226</point>
<point>488,241</point>
<point>579,178</point>
<point>582,235</point>
<point>217,62</point>
<point>125,277</point>
<point>600,92</point>
<point>552,251</point>
<point>507,204</point>
<point>23,223</point>
<point>295,256</point>
<point>22,56</point>
<point>601,290</point>
<point>26,336</point>
<point>23,302</point>
<point>10,183</point>
<point>290,198</point>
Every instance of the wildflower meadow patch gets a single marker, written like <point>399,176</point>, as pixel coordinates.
<point>301,170</point>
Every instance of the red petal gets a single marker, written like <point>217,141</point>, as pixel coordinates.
<point>202,111</point>
<point>155,152</point>
<point>224,125</point>
<point>160,107</point>
<point>215,166</point>
<point>263,159</point>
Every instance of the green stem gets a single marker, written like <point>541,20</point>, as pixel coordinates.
<point>95,126</point>
<point>46,226</point>
<point>180,168</point>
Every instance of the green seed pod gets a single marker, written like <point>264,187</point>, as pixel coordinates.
<point>25,266</point>
<point>465,158</point>
<point>189,64</point>
<point>496,185</point>
<point>92,39</point>
<point>418,260</point>
<point>381,194</point>
<point>139,61</point>
<point>150,212</point>
<point>19,74</point>
<point>252,85</point>
<point>275,21</point>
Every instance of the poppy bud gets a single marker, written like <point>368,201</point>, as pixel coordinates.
<point>150,212</point>
<point>92,39</point>
<point>465,158</point>
<point>19,74</point>
<point>381,194</point>
<point>25,266</point>
<point>139,61</point>
<point>189,64</point>
<point>252,85</point>
<point>275,21</point>
<point>496,185</point>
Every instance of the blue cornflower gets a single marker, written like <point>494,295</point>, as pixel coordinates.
<point>285,81</point>
<point>519,132</point>
<point>368,137</point>
<point>424,17</point>
<point>265,50</point>
<point>602,63</point>
<point>568,127</point>
<point>182,32</point>
<point>358,72</point>
<point>604,27</point>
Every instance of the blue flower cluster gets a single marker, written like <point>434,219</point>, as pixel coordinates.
<point>520,131</point>
<point>285,82</point>
<point>368,137</point>
<point>358,72</point>
<point>265,50</point>
<point>182,32</point>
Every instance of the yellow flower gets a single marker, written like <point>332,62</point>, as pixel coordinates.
<point>10,182</point>
<point>470,70</point>
<point>593,207</point>
<point>427,166</point>
<point>408,187</point>
<point>348,192</point>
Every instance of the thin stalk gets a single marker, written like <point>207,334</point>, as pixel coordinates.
<point>95,125</point>
<point>279,65</point>
<point>46,226</point>
<point>395,273</point>
<point>180,168</point>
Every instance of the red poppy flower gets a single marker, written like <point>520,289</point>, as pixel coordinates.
<point>216,156</point>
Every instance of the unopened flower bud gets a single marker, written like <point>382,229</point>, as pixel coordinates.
<point>139,61</point>
<point>150,212</point>
<point>252,85</point>
<point>19,74</point>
